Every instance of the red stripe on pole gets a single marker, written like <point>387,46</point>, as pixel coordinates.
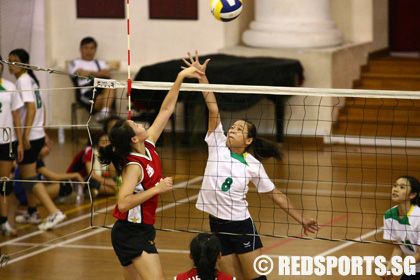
<point>129,96</point>
<point>128,57</point>
<point>128,26</point>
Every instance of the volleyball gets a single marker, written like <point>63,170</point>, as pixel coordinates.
<point>226,10</point>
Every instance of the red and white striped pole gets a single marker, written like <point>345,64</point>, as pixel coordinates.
<point>128,48</point>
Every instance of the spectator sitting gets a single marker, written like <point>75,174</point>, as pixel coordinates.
<point>103,179</point>
<point>62,190</point>
<point>86,66</point>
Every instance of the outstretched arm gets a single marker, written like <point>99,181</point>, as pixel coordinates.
<point>309,225</point>
<point>168,104</point>
<point>214,114</point>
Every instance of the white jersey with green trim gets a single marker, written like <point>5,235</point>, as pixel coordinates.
<point>31,95</point>
<point>226,179</point>
<point>405,230</point>
<point>9,101</point>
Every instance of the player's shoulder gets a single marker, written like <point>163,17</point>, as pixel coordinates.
<point>392,213</point>
<point>8,85</point>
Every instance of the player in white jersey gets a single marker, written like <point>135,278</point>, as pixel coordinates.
<point>402,222</point>
<point>32,114</point>
<point>229,170</point>
<point>10,103</point>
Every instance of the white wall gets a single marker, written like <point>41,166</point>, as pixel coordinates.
<point>363,20</point>
<point>151,40</point>
<point>159,40</point>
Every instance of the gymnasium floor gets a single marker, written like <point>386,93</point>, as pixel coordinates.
<point>346,188</point>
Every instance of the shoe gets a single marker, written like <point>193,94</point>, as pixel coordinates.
<point>52,221</point>
<point>7,230</point>
<point>103,114</point>
<point>27,218</point>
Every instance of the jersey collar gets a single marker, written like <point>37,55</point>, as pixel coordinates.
<point>240,157</point>
<point>147,156</point>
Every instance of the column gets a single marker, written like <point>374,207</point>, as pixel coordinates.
<point>292,24</point>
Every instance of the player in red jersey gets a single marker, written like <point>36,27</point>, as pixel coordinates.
<point>132,151</point>
<point>205,250</point>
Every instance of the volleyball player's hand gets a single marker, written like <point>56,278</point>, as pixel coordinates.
<point>20,152</point>
<point>195,62</point>
<point>309,225</point>
<point>191,72</point>
<point>26,142</point>
<point>165,185</point>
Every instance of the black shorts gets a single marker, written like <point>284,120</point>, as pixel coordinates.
<point>31,155</point>
<point>244,239</point>
<point>130,240</point>
<point>5,149</point>
<point>411,277</point>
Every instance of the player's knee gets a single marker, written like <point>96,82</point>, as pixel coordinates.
<point>8,188</point>
<point>262,277</point>
<point>29,186</point>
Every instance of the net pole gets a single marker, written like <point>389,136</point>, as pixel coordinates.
<point>128,65</point>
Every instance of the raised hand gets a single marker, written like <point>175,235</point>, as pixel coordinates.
<point>195,62</point>
<point>191,72</point>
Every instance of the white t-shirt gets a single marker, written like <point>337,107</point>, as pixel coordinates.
<point>226,179</point>
<point>87,65</point>
<point>25,82</point>
<point>9,101</point>
<point>405,230</point>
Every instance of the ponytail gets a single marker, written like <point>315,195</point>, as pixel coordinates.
<point>32,74</point>
<point>24,58</point>
<point>262,148</point>
<point>117,152</point>
<point>205,249</point>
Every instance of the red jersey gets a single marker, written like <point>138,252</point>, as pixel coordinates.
<point>79,162</point>
<point>192,275</point>
<point>152,175</point>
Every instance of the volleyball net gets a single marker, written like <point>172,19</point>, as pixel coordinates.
<point>342,151</point>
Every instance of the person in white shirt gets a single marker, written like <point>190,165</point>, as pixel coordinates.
<point>10,103</point>
<point>32,116</point>
<point>87,65</point>
<point>229,170</point>
<point>402,223</point>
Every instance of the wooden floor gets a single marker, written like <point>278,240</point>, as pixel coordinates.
<point>346,188</point>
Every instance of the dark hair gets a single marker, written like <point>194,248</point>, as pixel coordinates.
<point>117,152</point>
<point>88,40</point>
<point>205,249</point>
<point>262,148</point>
<point>24,58</point>
<point>107,121</point>
<point>98,138</point>
<point>415,188</point>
